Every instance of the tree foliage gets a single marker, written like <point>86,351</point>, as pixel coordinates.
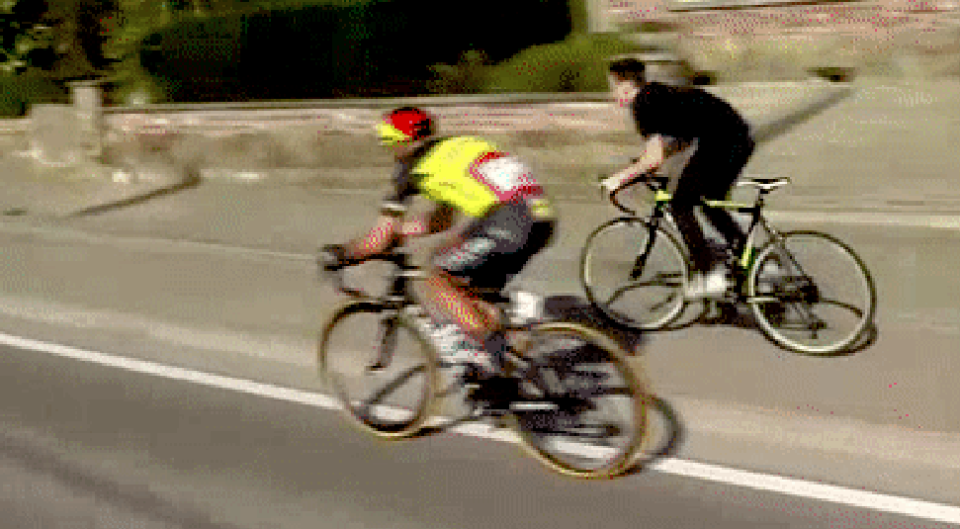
<point>60,36</point>
<point>72,38</point>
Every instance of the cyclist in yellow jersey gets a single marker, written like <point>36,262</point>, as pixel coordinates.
<point>510,221</point>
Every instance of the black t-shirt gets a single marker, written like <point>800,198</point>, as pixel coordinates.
<point>685,114</point>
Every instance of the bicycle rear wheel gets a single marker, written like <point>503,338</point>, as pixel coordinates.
<point>632,280</point>
<point>379,368</point>
<point>810,293</point>
<point>598,420</point>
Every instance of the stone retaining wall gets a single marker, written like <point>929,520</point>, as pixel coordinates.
<point>569,139</point>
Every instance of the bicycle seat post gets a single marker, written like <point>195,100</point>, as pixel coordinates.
<point>402,273</point>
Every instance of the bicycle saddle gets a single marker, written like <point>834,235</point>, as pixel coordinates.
<point>767,184</point>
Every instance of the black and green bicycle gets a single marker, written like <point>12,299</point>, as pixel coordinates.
<point>808,291</point>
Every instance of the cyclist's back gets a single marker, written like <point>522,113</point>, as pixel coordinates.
<point>470,174</point>
<point>685,114</point>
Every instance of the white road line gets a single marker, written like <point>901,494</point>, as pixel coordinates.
<point>767,482</point>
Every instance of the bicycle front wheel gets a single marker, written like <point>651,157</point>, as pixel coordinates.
<point>810,293</point>
<point>634,273</point>
<point>591,421</point>
<point>379,368</point>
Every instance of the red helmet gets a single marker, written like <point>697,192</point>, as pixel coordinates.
<point>405,124</point>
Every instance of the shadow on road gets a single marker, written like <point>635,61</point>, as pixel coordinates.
<point>579,310</point>
<point>190,179</point>
<point>735,316</point>
<point>669,436</point>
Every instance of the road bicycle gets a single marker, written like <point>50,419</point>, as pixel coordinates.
<point>381,357</point>
<point>808,291</point>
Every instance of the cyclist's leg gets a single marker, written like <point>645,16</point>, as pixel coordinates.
<point>728,165</point>
<point>685,201</point>
<point>487,255</point>
<point>710,173</point>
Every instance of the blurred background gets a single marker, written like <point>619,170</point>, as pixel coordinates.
<point>254,50</point>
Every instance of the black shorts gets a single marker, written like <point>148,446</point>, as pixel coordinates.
<point>493,249</point>
<point>713,168</point>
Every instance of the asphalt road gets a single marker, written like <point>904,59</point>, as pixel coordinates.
<point>242,298</point>
<point>254,283</point>
<point>84,445</point>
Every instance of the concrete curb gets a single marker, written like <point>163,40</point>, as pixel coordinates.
<point>765,129</point>
<point>359,179</point>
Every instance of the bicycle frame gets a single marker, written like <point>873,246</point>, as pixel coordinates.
<point>743,250</point>
<point>399,297</point>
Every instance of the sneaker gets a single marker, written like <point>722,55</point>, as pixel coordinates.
<point>772,275</point>
<point>712,285</point>
<point>773,270</point>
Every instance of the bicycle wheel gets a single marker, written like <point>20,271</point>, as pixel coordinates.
<point>379,368</point>
<point>810,293</point>
<point>591,421</point>
<point>630,279</point>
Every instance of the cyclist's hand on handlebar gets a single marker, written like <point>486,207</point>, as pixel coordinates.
<point>332,257</point>
<point>611,184</point>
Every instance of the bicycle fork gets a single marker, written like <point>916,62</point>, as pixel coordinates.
<point>386,342</point>
<point>641,262</point>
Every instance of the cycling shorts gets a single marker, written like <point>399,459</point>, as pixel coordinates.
<point>491,250</point>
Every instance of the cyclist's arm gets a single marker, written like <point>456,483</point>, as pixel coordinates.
<point>391,228</point>
<point>387,232</point>
<point>383,235</point>
<point>435,221</point>
<point>653,155</point>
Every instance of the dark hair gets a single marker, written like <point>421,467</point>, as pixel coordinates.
<point>629,69</point>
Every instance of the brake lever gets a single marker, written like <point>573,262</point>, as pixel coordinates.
<point>341,286</point>
<point>336,277</point>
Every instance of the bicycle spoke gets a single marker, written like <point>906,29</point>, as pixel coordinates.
<point>631,278</point>
<point>617,294</point>
<point>855,310</point>
<point>599,419</point>
<point>393,386</point>
<point>384,380</point>
<point>825,303</point>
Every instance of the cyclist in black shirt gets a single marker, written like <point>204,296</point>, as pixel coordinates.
<point>671,119</point>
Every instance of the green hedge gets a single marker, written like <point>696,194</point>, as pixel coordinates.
<point>370,48</point>
<point>578,64</point>
<point>18,92</point>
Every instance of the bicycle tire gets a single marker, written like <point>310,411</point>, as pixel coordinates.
<point>635,391</point>
<point>771,322</point>
<point>360,412</point>
<point>667,272</point>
